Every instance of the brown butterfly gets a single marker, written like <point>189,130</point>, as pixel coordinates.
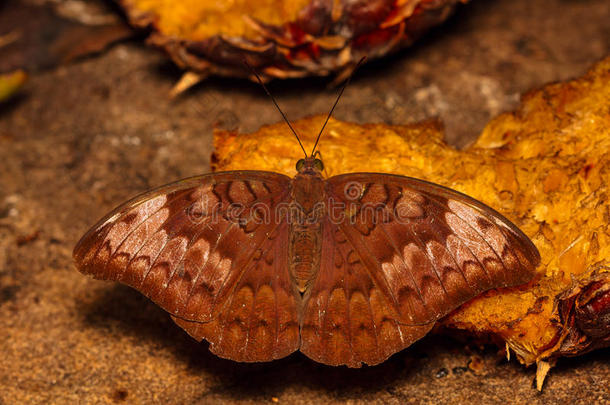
<point>348,269</point>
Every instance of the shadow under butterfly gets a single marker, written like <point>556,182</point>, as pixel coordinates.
<point>348,269</point>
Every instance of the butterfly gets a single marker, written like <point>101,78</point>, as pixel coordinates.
<point>348,269</point>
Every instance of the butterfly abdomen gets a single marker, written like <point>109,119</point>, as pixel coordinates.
<point>304,253</point>
<point>305,229</point>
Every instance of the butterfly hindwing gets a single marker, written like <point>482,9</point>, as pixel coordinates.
<point>348,317</point>
<point>258,321</point>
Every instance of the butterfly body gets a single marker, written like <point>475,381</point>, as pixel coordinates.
<point>308,207</point>
<point>348,269</point>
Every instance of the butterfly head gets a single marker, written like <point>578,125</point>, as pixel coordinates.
<point>310,165</point>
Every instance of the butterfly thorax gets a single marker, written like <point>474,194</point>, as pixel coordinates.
<point>308,208</point>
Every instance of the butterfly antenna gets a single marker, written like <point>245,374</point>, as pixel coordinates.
<point>276,105</point>
<point>337,102</point>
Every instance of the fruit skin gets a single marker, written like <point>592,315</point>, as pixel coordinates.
<point>584,314</point>
<point>325,37</point>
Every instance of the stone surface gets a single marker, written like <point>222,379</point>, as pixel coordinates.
<point>83,137</point>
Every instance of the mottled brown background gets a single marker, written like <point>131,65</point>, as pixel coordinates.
<point>84,136</point>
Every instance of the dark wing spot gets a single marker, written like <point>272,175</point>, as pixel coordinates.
<point>484,224</point>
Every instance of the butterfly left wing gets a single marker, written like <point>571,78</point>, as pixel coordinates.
<point>398,254</point>
<point>199,248</point>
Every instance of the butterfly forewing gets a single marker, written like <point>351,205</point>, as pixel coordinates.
<point>188,245</point>
<point>427,247</point>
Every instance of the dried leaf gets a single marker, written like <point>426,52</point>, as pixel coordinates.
<point>37,38</point>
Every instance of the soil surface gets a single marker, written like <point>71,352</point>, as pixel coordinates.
<point>84,136</point>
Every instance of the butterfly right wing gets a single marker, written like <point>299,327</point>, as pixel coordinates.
<point>198,248</point>
<point>397,255</point>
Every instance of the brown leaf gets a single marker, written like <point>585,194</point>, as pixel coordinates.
<point>41,39</point>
